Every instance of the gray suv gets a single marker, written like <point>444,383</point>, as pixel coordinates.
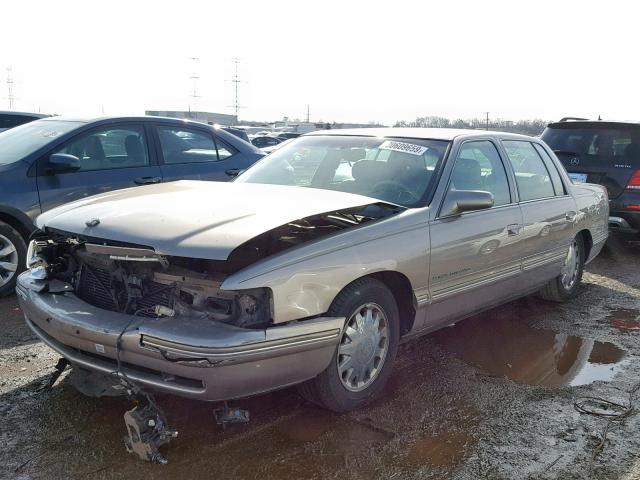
<point>53,161</point>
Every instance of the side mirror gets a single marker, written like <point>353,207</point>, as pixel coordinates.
<point>63,163</point>
<point>459,201</point>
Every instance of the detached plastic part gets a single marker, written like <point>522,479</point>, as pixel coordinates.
<point>147,431</point>
<point>225,415</point>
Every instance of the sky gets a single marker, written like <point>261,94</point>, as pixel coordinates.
<point>350,61</point>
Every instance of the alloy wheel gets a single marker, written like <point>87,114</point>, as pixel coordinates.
<point>8,260</point>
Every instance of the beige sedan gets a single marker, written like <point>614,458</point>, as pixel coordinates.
<point>312,266</point>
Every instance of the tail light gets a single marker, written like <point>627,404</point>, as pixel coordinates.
<point>634,182</point>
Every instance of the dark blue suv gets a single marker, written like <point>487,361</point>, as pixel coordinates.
<point>56,160</point>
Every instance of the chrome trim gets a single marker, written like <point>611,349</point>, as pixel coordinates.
<point>242,350</point>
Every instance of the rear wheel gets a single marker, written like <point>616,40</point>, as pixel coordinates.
<point>363,359</point>
<point>565,285</point>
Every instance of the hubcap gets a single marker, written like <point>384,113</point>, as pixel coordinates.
<point>570,268</point>
<point>363,347</point>
<point>8,260</point>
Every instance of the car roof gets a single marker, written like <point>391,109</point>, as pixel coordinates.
<point>421,133</point>
<point>23,114</point>
<point>593,123</point>
<point>135,118</point>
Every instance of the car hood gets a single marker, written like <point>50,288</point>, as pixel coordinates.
<point>194,219</point>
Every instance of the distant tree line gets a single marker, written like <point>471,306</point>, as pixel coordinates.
<point>527,127</point>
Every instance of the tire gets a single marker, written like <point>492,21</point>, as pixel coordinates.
<point>558,290</point>
<point>13,252</point>
<point>339,388</point>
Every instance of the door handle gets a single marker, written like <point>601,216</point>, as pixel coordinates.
<point>233,172</point>
<point>147,180</point>
<point>513,229</point>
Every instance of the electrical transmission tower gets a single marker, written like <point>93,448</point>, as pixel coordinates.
<point>10,95</point>
<point>236,80</point>
<point>194,77</point>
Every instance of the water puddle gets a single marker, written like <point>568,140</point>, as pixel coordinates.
<point>501,343</point>
<point>625,319</point>
<point>441,450</point>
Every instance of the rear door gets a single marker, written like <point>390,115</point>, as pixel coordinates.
<point>605,153</point>
<point>548,212</point>
<point>111,157</point>
<point>192,153</point>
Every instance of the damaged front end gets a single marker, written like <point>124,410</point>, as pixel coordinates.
<point>136,281</point>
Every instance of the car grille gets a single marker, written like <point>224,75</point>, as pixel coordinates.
<point>96,288</point>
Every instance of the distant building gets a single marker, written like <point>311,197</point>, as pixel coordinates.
<point>203,117</point>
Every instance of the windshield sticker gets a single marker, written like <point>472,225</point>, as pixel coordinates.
<point>403,147</point>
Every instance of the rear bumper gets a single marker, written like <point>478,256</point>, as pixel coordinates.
<point>623,219</point>
<point>194,358</point>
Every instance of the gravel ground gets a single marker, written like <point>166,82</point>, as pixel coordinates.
<point>492,397</point>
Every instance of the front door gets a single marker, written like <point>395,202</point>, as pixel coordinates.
<point>111,157</point>
<point>475,256</point>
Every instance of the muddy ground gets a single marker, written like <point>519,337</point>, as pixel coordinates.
<point>492,397</point>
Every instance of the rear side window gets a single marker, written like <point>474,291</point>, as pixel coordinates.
<point>181,145</point>
<point>551,166</point>
<point>532,177</point>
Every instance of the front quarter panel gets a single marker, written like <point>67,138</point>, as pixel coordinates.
<point>306,279</point>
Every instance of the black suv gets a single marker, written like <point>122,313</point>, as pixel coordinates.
<point>607,153</point>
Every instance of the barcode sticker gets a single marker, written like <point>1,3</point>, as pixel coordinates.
<point>403,147</point>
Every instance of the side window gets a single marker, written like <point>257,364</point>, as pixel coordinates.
<point>109,148</point>
<point>553,170</point>
<point>479,167</point>
<point>181,145</point>
<point>532,176</point>
<point>224,150</point>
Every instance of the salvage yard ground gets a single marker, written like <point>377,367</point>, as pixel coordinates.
<point>493,397</point>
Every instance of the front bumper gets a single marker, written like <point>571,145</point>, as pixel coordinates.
<point>190,357</point>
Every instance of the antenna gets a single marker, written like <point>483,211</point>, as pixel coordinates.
<point>194,77</point>
<point>10,95</point>
<point>236,80</point>
<point>308,113</point>
<point>487,125</point>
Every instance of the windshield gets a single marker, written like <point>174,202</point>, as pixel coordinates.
<point>18,142</point>
<point>599,144</point>
<point>400,171</point>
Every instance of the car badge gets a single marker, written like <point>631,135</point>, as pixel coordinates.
<point>92,223</point>
<point>574,161</point>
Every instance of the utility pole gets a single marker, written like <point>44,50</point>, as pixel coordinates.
<point>308,116</point>
<point>10,95</point>
<point>194,77</point>
<point>487,124</point>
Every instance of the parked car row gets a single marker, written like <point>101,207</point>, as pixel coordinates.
<point>57,160</point>
<point>311,266</point>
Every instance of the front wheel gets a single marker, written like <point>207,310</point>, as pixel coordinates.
<point>363,359</point>
<point>565,285</point>
<point>13,252</point>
